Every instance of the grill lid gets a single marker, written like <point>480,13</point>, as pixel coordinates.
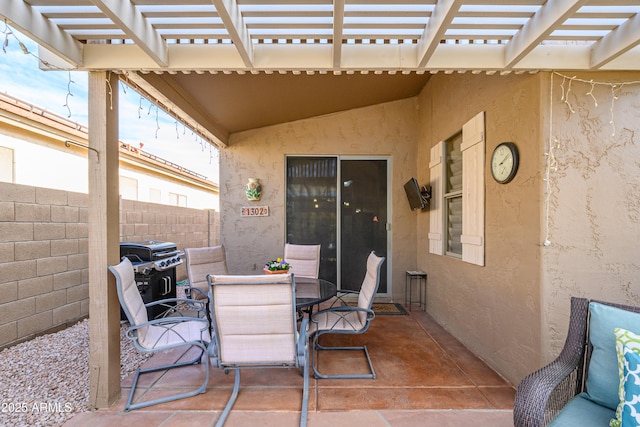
<point>148,250</point>
<point>148,255</point>
<point>151,245</point>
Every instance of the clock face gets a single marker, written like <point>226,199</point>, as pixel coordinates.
<point>504,162</point>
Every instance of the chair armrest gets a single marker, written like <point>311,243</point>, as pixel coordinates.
<point>342,311</point>
<point>341,293</point>
<point>172,305</point>
<point>165,322</point>
<point>345,309</point>
<point>543,393</point>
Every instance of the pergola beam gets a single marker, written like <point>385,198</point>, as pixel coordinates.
<point>544,22</point>
<point>136,27</point>
<point>41,30</point>
<point>338,30</point>
<point>617,42</point>
<point>234,23</point>
<point>354,57</point>
<point>443,14</point>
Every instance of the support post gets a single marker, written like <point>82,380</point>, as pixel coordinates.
<point>104,240</point>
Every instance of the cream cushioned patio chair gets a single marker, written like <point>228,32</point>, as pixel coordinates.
<point>199,263</point>
<point>345,319</point>
<point>303,259</point>
<point>171,331</point>
<point>254,319</point>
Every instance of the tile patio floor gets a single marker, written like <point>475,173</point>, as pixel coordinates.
<point>425,377</point>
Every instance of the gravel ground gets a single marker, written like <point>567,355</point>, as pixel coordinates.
<point>45,381</point>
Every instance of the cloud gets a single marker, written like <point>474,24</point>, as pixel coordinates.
<point>65,94</point>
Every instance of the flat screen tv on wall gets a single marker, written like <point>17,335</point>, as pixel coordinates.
<point>416,198</point>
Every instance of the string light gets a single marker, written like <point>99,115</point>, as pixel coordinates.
<point>9,35</point>
<point>615,88</point>
<point>157,122</point>
<point>552,163</point>
<point>69,94</point>
<point>8,32</point>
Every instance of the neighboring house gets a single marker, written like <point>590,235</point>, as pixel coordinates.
<point>44,281</point>
<point>42,149</point>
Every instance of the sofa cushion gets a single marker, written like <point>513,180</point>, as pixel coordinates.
<point>581,411</point>
<point>625,341</point>
<point>631,403</point>
<point>603,380</point>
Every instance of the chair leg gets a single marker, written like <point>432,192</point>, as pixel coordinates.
<point>201,389</point>
<point>232,399</point>
<point>318,374</point>
<point>305,394</point>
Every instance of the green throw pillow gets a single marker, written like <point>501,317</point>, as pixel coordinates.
<point>626,341</point>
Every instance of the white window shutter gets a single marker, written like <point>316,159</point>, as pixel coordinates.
<point>473,144</point>
<point>436,245</point>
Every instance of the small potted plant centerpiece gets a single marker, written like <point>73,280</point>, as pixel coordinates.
<point>278,266</point>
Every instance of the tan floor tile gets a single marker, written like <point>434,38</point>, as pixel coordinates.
<point>424,378</point>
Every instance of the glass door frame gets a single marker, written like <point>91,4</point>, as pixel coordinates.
<point>388,255</point>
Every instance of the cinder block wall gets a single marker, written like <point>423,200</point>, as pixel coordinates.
<point>44,283</point>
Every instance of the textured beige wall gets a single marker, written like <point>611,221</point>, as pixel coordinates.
<point>494,310</point>
<point>513,311</point>
<point>383,130</point>
<point>594,197</point>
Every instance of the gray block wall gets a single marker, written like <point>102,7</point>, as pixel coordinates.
<point>43,253</point>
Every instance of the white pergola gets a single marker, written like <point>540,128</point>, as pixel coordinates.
<point>204,60</point>
<point>156,44</point>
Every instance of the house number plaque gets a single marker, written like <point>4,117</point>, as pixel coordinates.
<point>254,211</point>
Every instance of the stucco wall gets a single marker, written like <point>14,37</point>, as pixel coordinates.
<point>594,197</point>
<point>494,310</point>
<point>44,281</point>
<point>386,129</point>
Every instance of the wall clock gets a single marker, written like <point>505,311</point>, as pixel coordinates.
<point>504,162</point>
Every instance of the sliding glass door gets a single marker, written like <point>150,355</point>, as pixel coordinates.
<point>363,219</point>
<point>311,208</point>
<point>343,204</point>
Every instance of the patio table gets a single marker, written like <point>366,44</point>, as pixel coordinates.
<point>310,292</point>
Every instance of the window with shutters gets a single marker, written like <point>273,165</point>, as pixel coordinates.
<point>456,219</point>
<point>453,195</point>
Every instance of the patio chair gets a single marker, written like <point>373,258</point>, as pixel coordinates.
<point>171,331</point>
<point>303,259</point>
<point>345,319</point>
<point>255,327</point>
<point>572,390</point>
<point>199,263</point>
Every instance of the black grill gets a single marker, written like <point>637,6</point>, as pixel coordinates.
<point>154,263</point>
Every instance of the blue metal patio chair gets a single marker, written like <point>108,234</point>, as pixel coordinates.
<point>255,326</point>
<point>150,336</point>
<point>346,319</point>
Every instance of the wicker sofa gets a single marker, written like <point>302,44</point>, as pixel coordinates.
<point>562,393</point>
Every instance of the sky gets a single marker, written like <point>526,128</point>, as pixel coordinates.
<point>65,94</point>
